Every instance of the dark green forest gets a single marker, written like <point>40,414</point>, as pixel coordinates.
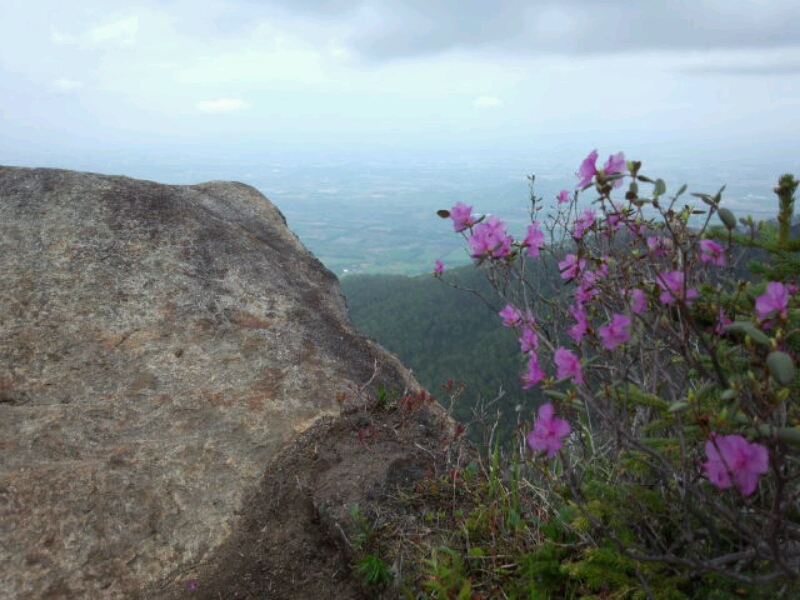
<point>442,333</point>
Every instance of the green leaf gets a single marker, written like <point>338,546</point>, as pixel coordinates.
<point>678,406</point>
<point>790,435</point>
<point>781,367</point>
<point>661,187</point>
<point>750,330</point>
<point>727,217</point>
<point>705,198</point>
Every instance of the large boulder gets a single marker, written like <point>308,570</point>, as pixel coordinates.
<point>158,346</point>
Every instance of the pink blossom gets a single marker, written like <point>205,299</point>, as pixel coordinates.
<point>733,455</point>
<point>528,341</point>
<point>636,229</point>
<point>616,332</point>
<point>570,267</point>
<point>582,223</point>
<point>577,331</point>
<point>613,221</point>
<point>776,298</point>
<point>638,301</point>
<point>489,239</point>
<point>671,285</point>
<point>534,374</point>
<point>568,365</point>
<point>548,431</point>
<point>712,252</point>
<point>461,214</point>
<point>615,165</point>
<point>659,246</point>
<point>587,170</point>
<point>439,268</point>
<point>585,290</point>
<point>722,322</point>
<point>563,197</point>
<point>534,240</point>
<point>511,316</point>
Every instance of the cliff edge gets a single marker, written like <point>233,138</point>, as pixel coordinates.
<point>160,346</point>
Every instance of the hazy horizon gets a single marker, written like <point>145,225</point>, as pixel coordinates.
<point>358,105</point>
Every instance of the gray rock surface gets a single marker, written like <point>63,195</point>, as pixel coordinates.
<point>158,346</point>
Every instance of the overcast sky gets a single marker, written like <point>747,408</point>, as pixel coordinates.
<point>239,75</point>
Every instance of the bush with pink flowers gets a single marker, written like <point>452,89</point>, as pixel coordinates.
<point>671,435</point>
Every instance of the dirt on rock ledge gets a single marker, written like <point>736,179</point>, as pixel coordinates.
<point>293,536</point>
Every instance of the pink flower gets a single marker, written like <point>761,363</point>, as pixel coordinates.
<point>548,431</point>
<point>615,165</point>
<point>612,223</point>
<point>659,246</point>
<point>511,316</point>
<point>671,285</point>
<point>582,223</point>
<point>534,240</point>
<point>568,365</point>
<point>587,170</point>
<point>571,266</point>
<point>712,252</point>
<point>776,298</point>
<point>534,374</point>
<point>722,322</point>
<point>616,332</point>
<point>489,239</point>
<point>439,268</point>
<point>733,455</point>
<point>528,342</point>
<point>636,229</point>
<point>577,331</point>
<point>462,216</point>
<point>563,197</point>
<point>638,301</point>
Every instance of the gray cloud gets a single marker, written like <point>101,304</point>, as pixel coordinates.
<point>415,28</point>
<point>786,68</point>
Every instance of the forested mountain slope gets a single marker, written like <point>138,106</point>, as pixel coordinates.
<point>443,333</point>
